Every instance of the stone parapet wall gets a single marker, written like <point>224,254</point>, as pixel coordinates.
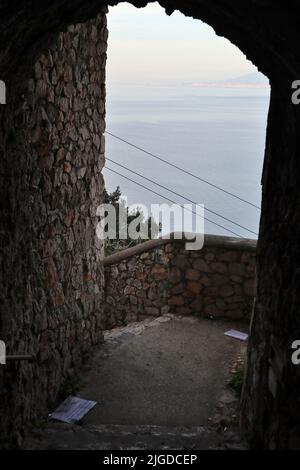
<point>161,276</point>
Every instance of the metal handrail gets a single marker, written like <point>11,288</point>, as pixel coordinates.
<point>20,357</point>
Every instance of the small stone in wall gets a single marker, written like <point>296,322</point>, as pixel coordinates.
<point>176,301</point>
<point>192,275</point>
<point>236,279</point>
<point>237,268</point>
<point>169,248</point>
<point>219,279</point>
<point>205,281</point>
<point>229,256</point>
<point>211,291</point>
<point>152,311</point>
<point>210,257</point>
<point>180,261</point>
<point>175,275</point>
<point>67,167</point>
<point>218,267</point>
<point>81,172</point>
<point>60,155</point>
<point>194,287</point>
<point>159,273</point>
<point>249,287</point>
<point>178,288</point>
<point>133,300</point>
<point>201,265</point>
<point>227,291</point>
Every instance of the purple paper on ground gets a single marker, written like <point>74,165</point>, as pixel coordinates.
<point>237,335</point>
<point>72,410</point>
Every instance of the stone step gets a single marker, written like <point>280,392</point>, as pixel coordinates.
<point>123,437</point>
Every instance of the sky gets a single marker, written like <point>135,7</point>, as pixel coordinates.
<point>148,47</point>
<point>164,95</point>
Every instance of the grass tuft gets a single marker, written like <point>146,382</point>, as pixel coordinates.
<point>237,379</point>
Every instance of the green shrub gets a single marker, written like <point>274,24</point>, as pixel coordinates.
<point>237,379</point>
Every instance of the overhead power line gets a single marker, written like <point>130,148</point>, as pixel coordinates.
<point>219,188</point>
<point>174,202</point>
<point>180,195</point>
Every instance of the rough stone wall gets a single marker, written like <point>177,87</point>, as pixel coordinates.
<point>271,406</point>
<point>268,33</point>
<point>52,154</point>
<point>217,281</point>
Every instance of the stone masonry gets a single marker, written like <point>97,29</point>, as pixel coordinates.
<point>268,33</point>
<point>52,291</point>
<point>160,276</point>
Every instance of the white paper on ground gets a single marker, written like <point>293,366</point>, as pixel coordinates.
<point>72,410</point>
<point>237,335</point>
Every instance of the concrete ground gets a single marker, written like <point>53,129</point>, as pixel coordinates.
<point>158,384</point>
<point>170,374</point>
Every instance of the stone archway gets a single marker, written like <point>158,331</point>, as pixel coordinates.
<point>268,35</point>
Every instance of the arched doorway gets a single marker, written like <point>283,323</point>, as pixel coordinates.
<point>270,394</point>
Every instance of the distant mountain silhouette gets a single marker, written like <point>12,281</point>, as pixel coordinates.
<point>255,78</point>
<point>251,80</point>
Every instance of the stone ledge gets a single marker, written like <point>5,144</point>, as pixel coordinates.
<point>211,241</point>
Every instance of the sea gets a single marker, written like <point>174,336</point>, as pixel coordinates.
<point>217,135</point>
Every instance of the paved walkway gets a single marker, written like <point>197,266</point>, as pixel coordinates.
<point>164,377</point>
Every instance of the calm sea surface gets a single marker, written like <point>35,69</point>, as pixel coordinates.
<point>218,135</point>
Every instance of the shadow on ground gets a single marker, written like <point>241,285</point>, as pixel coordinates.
<point>159,384</point>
